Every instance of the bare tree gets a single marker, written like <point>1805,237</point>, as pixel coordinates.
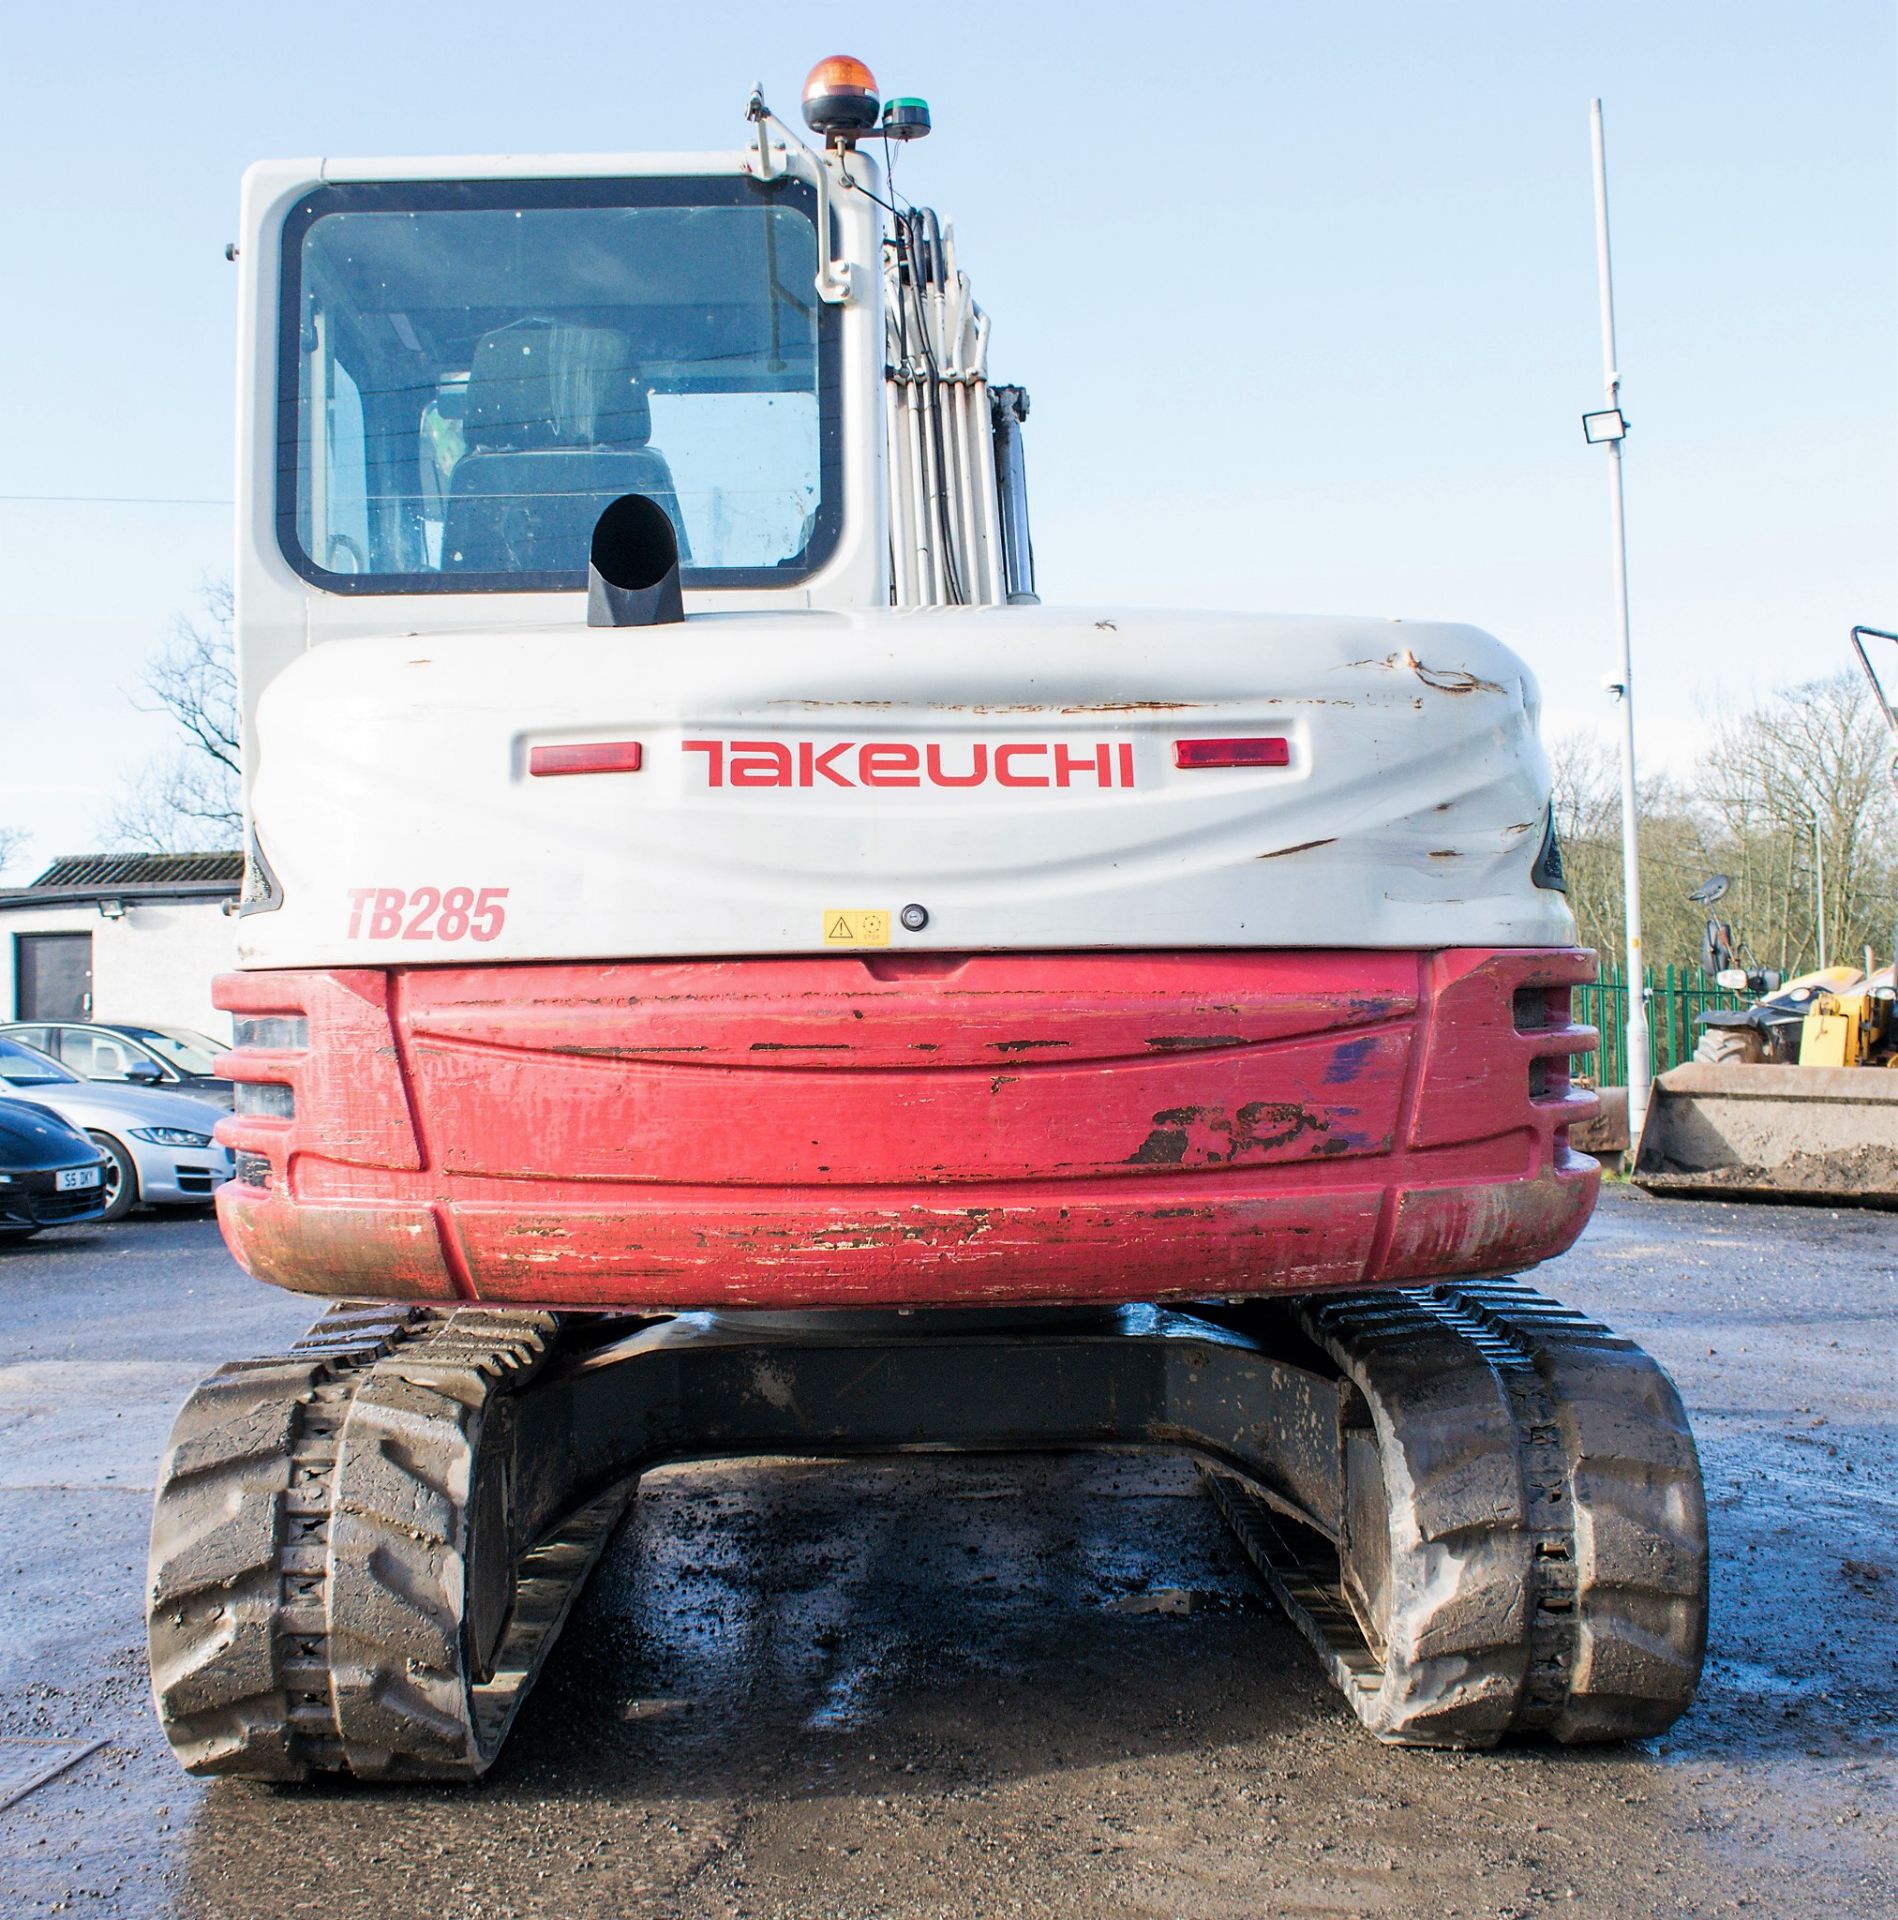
<point>1588,825</point>
<point>1793,786</point>
<point>12,840</point>
<point>1674,846</point>
<point>189,799</point>
<point>1800,787</point>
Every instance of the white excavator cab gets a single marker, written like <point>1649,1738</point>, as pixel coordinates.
<point>449,368</point>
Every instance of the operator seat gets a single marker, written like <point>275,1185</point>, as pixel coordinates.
<point>557,425</point>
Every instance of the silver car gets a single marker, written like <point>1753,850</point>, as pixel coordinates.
<point>158,1146</point>
<point>167,1059</point>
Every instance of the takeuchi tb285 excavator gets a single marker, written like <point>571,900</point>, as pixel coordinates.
<point>724,971</point>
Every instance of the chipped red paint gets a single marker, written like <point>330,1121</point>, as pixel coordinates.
<point>912,1129</point>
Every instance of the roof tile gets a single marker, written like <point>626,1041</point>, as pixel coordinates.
<point>141,869</point>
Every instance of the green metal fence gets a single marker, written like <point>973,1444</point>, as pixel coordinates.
<point>1675,996</point>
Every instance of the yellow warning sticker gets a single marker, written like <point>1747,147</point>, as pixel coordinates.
<point>856,927</point>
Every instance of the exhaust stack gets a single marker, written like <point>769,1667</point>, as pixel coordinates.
<point>633,573</point>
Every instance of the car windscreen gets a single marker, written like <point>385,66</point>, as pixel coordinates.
<point>471,372</point>
<point>189,1052</point>
<point>28,1067</point>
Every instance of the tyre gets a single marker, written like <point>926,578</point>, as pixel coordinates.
<point>121,1177</point>
<point>1730,1047</point>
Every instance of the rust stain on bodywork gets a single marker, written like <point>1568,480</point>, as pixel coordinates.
<point>1304,846</point>
<point>1443,679</point>
<point>1451,679</point>
<point>1132,706</point>
<point>631,1051</point>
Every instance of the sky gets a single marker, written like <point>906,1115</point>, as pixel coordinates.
<point>1304,296</point>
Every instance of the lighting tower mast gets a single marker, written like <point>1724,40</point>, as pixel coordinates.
<point>1609,428</point>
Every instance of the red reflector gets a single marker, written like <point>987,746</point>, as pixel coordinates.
<point>600,756</point>
<point>1272,751</point>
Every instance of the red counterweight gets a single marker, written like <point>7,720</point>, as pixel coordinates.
<point>906,1131</point>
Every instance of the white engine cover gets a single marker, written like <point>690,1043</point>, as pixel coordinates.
<point>806,775</point>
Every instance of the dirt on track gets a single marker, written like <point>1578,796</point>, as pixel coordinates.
<point>1044,1687</point>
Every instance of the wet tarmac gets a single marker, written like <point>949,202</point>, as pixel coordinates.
<point>974,1688</point>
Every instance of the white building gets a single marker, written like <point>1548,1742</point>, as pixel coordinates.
<point>121,936</point>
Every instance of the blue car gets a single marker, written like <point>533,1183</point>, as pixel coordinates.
<point>51,1175</point>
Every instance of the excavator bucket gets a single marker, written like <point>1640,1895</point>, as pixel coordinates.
<point>1769,1132</point>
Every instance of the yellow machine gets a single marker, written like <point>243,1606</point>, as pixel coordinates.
<point>1784,1100</point>
<point>1849,1027</point>
<point>1774,1029</point>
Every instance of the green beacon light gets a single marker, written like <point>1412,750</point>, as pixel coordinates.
<point>905,119</point>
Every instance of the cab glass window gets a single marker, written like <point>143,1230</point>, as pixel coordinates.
<point>471,372</point>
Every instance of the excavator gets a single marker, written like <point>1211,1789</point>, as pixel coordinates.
<point>1780,1101</point>
<point>724,970</point>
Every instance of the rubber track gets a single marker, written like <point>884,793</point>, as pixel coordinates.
<point>1547,1521</point>
<point>1639,1526</point>
<point>310,1598</point>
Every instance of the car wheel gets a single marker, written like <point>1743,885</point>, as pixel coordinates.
<point>121,1178</point>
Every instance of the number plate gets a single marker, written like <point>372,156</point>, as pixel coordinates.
<point>71,1177</point>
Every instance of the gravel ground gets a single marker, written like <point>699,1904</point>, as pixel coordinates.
<point>1035,1687</point>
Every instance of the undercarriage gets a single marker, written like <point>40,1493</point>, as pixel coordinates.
<point>1484,1511</point>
